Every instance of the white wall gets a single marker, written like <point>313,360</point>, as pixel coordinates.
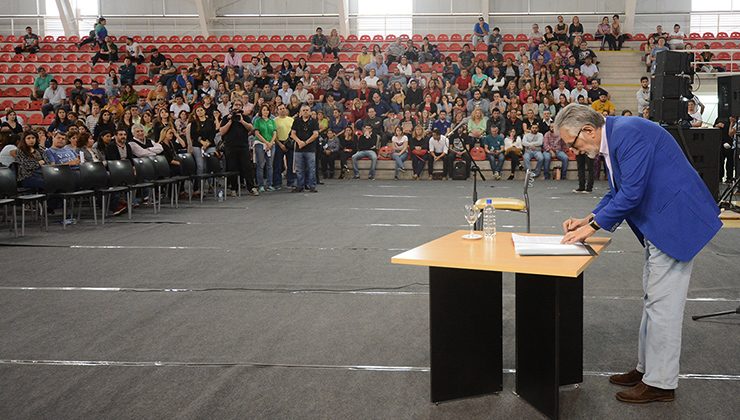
<point>649,13</point>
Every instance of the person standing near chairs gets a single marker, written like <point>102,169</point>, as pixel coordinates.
<point>264,148</point>
<point>400,144</point>
<point>235,134</point>
<point>202,137</point>
<point>305,133</point>
<point>283,150</point>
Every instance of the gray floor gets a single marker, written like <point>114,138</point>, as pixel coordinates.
<point>286,306</point>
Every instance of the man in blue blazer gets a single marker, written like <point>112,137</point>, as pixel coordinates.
<point>672,213</point>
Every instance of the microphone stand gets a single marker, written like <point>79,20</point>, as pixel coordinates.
<point>474,168</point>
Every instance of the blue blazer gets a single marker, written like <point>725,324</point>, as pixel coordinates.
<point>656,190</point>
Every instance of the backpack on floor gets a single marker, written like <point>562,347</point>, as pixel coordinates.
<point>459,170</point>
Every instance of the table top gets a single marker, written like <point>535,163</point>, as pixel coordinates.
<point>452,251</point>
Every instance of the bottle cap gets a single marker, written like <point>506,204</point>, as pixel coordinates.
<point>489,201</point>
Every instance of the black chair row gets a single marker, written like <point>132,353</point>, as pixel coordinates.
<point>121,177</point>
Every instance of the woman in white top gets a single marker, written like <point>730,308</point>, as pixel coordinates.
<point>354,81</point>
<point>694,114</point>
<point>400,144</point>
<point>405,67</point>
<point>513,149</point>
<point>372,80</point>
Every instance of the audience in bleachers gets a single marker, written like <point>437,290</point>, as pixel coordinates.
<point>406,100</point>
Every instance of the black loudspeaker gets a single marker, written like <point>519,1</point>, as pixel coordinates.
<point>672,87</point>
<point>459,170</point>
<point>728,95</point>
<point>673,62</point>
<point>704,147</point>
<point>668,110</point>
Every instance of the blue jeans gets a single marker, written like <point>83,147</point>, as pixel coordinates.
<point>496,161</point>
<point>263,163</point>
<point>305,167</point>
<point>365,154</point>
<point>528,155</point>
<point>562,157</point>
<point>277,167</point>
<point>200,163</point>
<point>399,158</point>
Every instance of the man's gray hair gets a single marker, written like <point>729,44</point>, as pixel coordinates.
<point>137,127</point>
<point>574,116</point>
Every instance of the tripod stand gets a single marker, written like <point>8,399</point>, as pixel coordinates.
<point>716,314</point>
<point>725,199</point>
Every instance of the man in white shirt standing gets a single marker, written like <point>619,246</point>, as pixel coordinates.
<point>675,38</point>
<point>438,148</point>
<point>643,95</point>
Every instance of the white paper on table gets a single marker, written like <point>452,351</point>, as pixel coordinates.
<point>546,245</point>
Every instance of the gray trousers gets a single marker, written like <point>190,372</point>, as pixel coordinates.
<point>665,282</point>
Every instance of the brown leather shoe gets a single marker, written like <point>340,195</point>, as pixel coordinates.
<point>630,378</point>
<point>643,393</point>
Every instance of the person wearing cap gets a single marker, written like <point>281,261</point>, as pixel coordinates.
<point>232,59</point>
<point>604,105</point>
<point>134,50</point>
<point>480,31</point>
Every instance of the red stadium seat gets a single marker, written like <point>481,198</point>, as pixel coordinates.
<point>455,47</point>
<point>736,56</point>
<point>75,38</point>
<point>177,48</point>
<point>288,38</point>
<point>694,35</point>
<point>11,39</point>
<point>36,119</point>
<point>212,39</point>
<point>481,47</point>
<point>385,153</point>
<point>365,38</point>
<point>215,48</point>
<point>588,37</point>
<point>161,39</point>
<point>85,68</point>
<point>202,48</point>
<point>189,48</point>
<point>276,38</point>
<point>25,92</point>
<point>509,47</point>
<point>274,58</point>
<point>148,39</point>
<point>56,68</point>
<point>48,119</point>
<point>5,58</point>
<point>509,56</point>
<point>174,39</point>
<point>179,58</point>
<point>729,45</point>
<point>390,38</point>
<point>34,105</point>
<point>220,58</point>
<point>431,37</point>
<point>32,58</point>
<point>26,80</point>
<point>16,68</point>
<point>100,69</point>
<point>206,58</point>
<point>187,39</point>
<point>468,37</point>
<point>237,38</point>
<point>199,39</point>
<point>258,48</point>
<point>263,38</point>
<point>3,68</point>
<point>294,48</point>
<point>722,35</point>
<point>11,92</point>
<point>378,38</point>
<point>715,45</point>
<point>708,35</point>
<point>242,48</point>
<point>520,46</point>
<point>509,38</point>
<point>250,38</point>
<point>21,105</point>
<point>723,56</point>
<point>443,38</point>
<point>522,37</point>
<point>454,57</point>
<point>735,35</point>
<point>416,38</point>
<point>70,68</point>
<point>48,39</point>
<point>2,80</point>
<point>442,47</point>
<point>281,48</point>
<point>100,79</point>
<point>456,38</point>
<point>68,80</point>
<point>31,68</point>
<point>304,38</point>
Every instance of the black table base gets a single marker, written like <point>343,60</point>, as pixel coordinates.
<point>549,338</point>
<point>465,331</point>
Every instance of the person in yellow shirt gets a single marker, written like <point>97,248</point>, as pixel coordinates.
<point>364,58</point>
<point>604,105</point>
<point>283,124</point>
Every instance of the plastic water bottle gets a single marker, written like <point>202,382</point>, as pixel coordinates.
<point>220,194</point>
<point>489,220</point>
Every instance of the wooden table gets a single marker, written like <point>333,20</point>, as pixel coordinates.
<point>465,302</point>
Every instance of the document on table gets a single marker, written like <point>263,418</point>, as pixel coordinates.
<point>548,245</point>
